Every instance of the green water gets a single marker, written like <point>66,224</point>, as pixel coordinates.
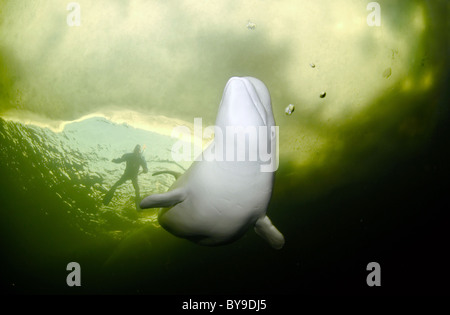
<point>53,184</point>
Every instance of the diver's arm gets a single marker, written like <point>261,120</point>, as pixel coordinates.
<point>120,160</point>
<point>144,165</point>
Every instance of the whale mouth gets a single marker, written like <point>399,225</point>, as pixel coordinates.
<point>253,96</point>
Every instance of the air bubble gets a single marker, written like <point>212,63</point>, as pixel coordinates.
<point>250,25</point>
<point>290,109</point>
<point>387,73</point>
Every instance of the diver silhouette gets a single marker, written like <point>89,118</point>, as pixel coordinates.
<point>134,161</point>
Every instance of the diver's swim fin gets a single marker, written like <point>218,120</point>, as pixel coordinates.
<point>265,229</point>
<point>165,200</point>
<point>108,197</point>
<point>137,202</point>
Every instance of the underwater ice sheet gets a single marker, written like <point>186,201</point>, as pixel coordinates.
<point>74,168</point>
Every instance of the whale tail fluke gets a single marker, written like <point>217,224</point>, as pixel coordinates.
<point>265,229</point>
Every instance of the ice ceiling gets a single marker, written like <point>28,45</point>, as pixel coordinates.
<point>158,64</point>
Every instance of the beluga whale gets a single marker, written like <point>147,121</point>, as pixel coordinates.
<point>227,189</point>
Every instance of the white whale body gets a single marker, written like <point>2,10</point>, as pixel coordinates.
<point>217,199</point>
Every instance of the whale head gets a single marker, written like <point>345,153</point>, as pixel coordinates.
<point>245,102</point>
<point>245,129</point>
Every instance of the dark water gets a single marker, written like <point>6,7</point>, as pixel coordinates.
<point>52,185</point>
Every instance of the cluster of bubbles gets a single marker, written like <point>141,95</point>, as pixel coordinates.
<point>290,108</point>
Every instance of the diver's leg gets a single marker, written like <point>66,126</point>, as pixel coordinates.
<point>136,186</point>
<point>122,180</point>
<point>110,193</point>
<point>138,195</point>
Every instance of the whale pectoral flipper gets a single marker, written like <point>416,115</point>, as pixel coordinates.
<point>165,200</point>
<point>265,229</point>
